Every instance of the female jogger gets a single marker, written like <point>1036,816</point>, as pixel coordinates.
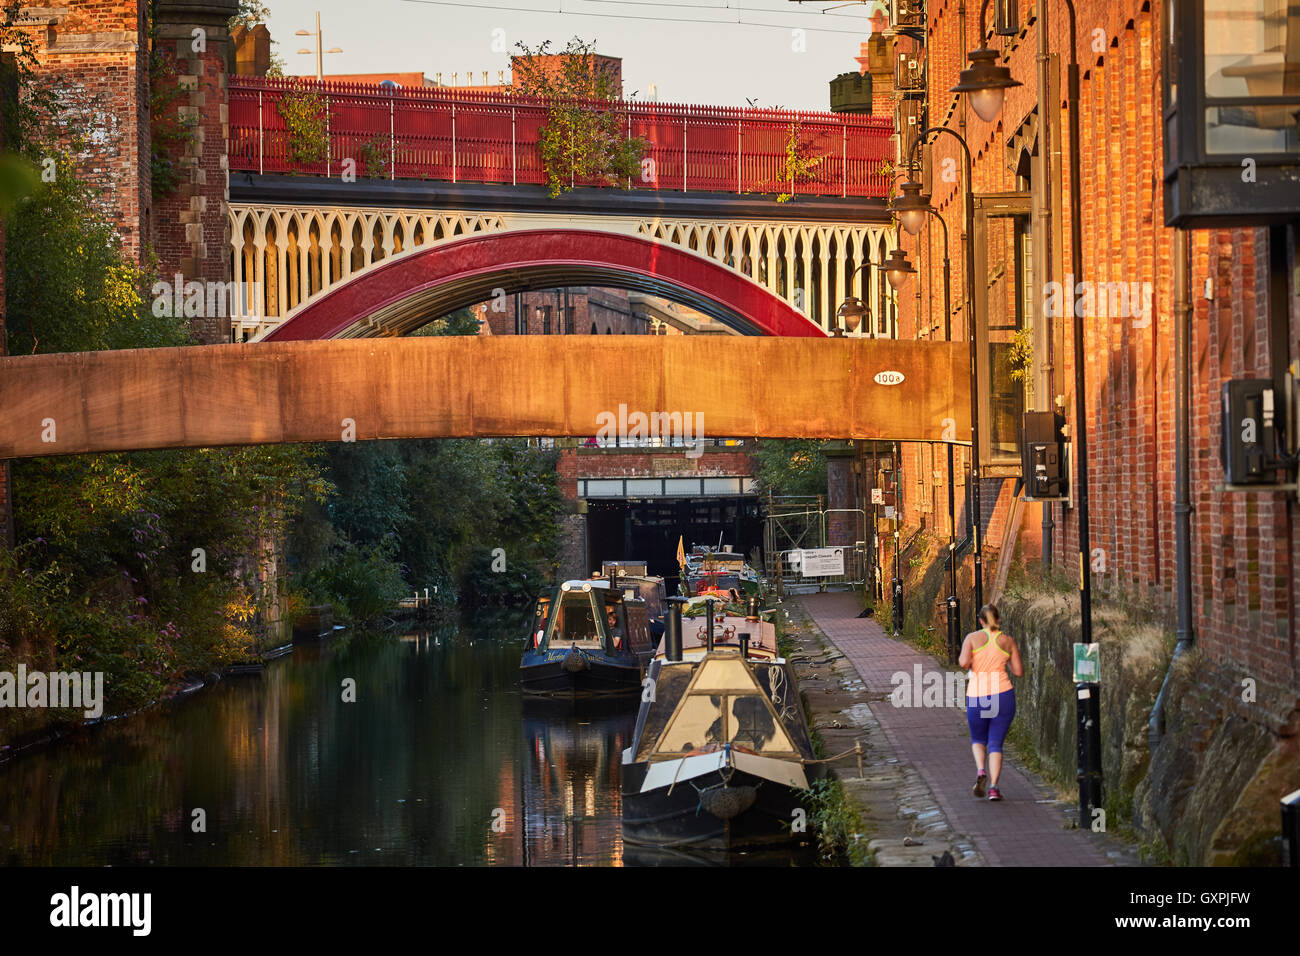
<point>990,698</point>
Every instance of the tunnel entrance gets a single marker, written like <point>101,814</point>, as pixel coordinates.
<point>648,529</point>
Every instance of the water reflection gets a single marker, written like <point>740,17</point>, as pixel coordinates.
<point>436,763</point>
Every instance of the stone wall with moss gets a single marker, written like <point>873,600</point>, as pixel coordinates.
<point>1208,794</point>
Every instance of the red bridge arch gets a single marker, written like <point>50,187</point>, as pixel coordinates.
<point>399,295</point>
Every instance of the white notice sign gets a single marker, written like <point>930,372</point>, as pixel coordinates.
<point>822,562</point>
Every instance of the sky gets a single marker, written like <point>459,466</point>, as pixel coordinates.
<point>751,53</point>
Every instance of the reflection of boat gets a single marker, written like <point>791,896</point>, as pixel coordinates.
<point>718,757</point>
<point>586,638</point>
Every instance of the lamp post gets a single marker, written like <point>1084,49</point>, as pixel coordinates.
<point>912,209</point>
<point>953,602</point>
<point>986,84</point>
<point>320,48</point>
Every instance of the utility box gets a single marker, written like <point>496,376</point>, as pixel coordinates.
<point>1249,451</point>
<point>1043,451</point>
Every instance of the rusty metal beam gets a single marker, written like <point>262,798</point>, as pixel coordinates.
<point>444,387</point>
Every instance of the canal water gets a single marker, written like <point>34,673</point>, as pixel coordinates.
<point>440,761</point>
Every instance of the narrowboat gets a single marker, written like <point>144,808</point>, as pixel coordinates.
<point>721,571</point>
<point>719,760</point>
<point>587,638</point>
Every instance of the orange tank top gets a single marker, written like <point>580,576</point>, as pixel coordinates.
<point>988,669</point>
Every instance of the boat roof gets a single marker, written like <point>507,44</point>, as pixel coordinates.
<point>584,584</point>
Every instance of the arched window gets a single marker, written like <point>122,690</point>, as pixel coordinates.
<point>594,330</point>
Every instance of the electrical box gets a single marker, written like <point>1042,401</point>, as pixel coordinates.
<point>1251,422</point>
<point>1043,453</point>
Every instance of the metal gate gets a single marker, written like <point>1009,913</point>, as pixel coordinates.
<point>795,524</point>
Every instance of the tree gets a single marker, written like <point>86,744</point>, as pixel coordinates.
<point>791,466</point>
<point>585,136</point>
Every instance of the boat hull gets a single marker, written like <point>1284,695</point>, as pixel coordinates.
<point>598,678</point>
<point>675,817</point>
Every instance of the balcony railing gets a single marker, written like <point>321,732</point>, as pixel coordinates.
<point>461,136</point>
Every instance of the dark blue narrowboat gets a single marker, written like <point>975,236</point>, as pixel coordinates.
<point>587,639</point>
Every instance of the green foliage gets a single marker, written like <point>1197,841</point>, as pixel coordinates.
<point>27,103</point>
<point>364,582</point>
<point>800,161</point>
<point>1020,355</point>
<point>374,156</point>
<point>68,286</point>
<point>585,136</point>
<point>305,115</point>
<point>791,466</point>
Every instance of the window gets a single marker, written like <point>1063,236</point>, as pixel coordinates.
<point>1252,50</point>
<point>1003,326</point>
<point>575,623</point>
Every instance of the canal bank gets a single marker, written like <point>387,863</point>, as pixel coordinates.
<point>913,800</point>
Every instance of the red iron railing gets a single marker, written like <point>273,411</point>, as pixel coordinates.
<point>461,136</point>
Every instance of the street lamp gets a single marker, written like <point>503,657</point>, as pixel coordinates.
<point>986,82</point>
<point>986,87</point>
<point>953,602</point>
<point>320,62</point>
<point>851,313</point>
<point>897,268</point>
<point>912,207</point>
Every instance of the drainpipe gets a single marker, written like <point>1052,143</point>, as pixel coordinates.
<point>1182,469</point>
<point>1043,177</point>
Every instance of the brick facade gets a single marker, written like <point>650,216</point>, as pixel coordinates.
<point>575,463</point>
<point>578,310</point>
<point>1244,550</point>
<point>191,226</point>
<point>94,56</point>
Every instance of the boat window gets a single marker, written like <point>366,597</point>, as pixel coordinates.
<point>698,724</point>
<point>575,623</point>
<point>724,674</point>
<point>751,725</point>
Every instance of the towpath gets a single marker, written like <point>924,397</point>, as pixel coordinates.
<point>1028,828</point>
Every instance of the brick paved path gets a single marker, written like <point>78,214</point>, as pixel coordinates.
<point>1016,832</point>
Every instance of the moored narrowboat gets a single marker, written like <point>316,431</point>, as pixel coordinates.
<point>586,638</point>
<point>720,756</point>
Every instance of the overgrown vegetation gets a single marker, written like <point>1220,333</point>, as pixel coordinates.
<point>794,466</point>
<point>800,162</point>
<point>585,137</point>
<point>151,567</point>
<point>306,115</point>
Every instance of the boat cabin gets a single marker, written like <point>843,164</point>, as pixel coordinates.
<point>592,616</point>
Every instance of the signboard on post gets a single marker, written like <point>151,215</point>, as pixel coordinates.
<point>877,496</point>
<point>822,562</point>
<point>1087,664</point>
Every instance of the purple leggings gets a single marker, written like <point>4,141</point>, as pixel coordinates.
<point>989,718</point>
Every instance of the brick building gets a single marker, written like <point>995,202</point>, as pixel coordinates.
<point>576,310</point>
<point>95,57</point>
<point>1244,550</point>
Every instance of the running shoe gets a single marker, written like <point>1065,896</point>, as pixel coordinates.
<point>995,793</point>
<point>980,781</point>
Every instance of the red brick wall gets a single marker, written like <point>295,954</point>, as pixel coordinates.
<point>575,463</point>
<point>1244,554</point>
<point>191,226</point>
<point>95,57</point>
<point>606,309</point>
